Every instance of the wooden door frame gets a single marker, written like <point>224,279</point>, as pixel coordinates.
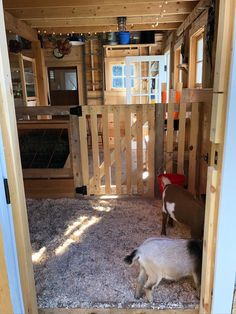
<point>14,173</point>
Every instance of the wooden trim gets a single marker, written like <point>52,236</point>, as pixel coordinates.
<point>41,75</point>
<point>47,173</point>
<point>169,138</point>
<point>128,151</point>
<point>15,178</point>
<point>201,6</point>
<point>181,138</point>
<point>193,146</point>
<point>139,143</point>
<point>151,151</point>
<point>117,311</point>
<point>5,295</point>
<point>19,27</point>
<point>107,158</point>
<point>117,140</point>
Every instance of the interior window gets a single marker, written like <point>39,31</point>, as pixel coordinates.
<point>199,60</point>
<point>119,76</point>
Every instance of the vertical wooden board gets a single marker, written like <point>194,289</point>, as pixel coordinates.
<point>128,149</point>
<point>211,215</point>
<point>84,152</point>
<point>117,150</point>
<point>35,81</point>
<point>95,150</point>
<point>169,138</point>
<point>22,76</point>
<point>75,151</point>
<point>151,150</point>
<point>106,149</point>
<point>193,148</point>
<point>159,142</point>
<point>139,125</point>
<point>5,295</point>
<point>181,138</point>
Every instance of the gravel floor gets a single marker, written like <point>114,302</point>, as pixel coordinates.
<point>78,250</point>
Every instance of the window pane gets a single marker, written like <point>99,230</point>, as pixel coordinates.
<point>70,81</point>
<point>132,82</point>
<point>200,49</point>
<point>199,73</point>
<point>131,70</point>
<point>117,82</point>
<point>117,70</point>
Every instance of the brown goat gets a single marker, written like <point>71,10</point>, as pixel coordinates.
<point>181,206</point>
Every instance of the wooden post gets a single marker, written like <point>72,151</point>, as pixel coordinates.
<point>159,143</point>
<point>15,179</point>
<point>40,72</point>
<point>75,151</point>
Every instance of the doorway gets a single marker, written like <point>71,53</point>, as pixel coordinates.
<point>63,86</point>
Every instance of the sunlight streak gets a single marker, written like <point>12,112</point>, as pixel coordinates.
<point>75,236</point>
<point>36,257</point>
<point>76,224</point>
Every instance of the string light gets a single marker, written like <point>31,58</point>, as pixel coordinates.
<point>161,14</point>
<point>45,32</point>
<point>39,31</point>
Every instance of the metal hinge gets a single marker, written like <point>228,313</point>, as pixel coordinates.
<point>216,158</point>
<point>76,111</point>
<point>165,67</point>
<point>81,190</point>
<point>7,193</point>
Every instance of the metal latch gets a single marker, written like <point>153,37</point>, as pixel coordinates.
<point>76,111</point>
<point>81,190</point>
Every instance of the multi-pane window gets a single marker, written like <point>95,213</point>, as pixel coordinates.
<point>119,76</point>
<point>199,59</point>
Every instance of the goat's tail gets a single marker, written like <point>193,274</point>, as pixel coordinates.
<point>165,181</point>
<point>130,258</point>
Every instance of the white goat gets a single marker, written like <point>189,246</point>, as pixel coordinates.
<point>166,258</point>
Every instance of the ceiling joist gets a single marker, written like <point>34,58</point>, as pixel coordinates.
<point>19,27</point>
<point>107,28</point>
<point>13,4</point>
<point>104,11</point>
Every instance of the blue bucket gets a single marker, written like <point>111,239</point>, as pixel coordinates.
<point>124,38</point>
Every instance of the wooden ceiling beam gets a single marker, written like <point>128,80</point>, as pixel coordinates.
<point>199,8</point>
<point>19,27</point>
<point>105,11</point>
<point>40,23</point>
<point>15,4</point>
<point>108,28</point>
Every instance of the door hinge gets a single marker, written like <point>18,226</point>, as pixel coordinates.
<point>216,158</point>
<point>165,67</point>
<point>7,193</point>
<point>76,111</point>
<point>81,190</point>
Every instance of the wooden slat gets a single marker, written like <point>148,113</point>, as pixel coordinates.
<point>13,4</point>
<point>169,138</point>
<point>19,27</point>
<point>202,5</point>
<point>209,239</point>
<point>43,110</point>
<point>47,173</point>
<point>139,143</point>
<point>84,149</point>
<point>181,138</point>
<point>40,125</point>
<point>159,142</point>
<point>117,311</point>
<point>5,296</point>
<point>193,148</point>
<point>128,150</point>
<point>151,151</point>
<point>108,28</point>
<point>75,151</point>
<point>117,150</point>
<point>107,10</point>
<point>95,150</point>
<point>110,21</point>
<point>22,78</point>
<point>106,149</point>
<point>41,73</point>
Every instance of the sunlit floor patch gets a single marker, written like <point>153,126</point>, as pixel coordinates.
<point>79,247</point>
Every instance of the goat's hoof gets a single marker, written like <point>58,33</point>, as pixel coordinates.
<point>137,296</point>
